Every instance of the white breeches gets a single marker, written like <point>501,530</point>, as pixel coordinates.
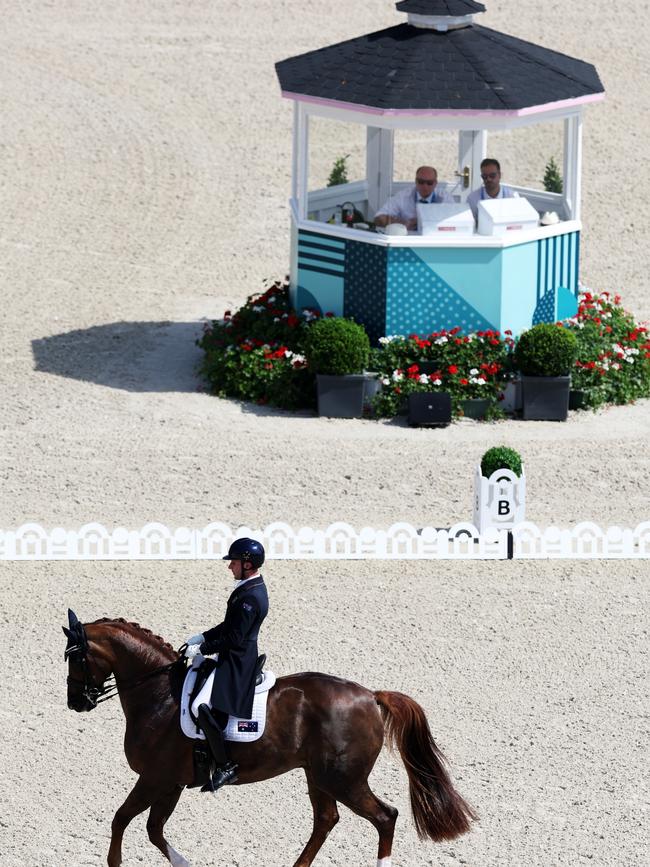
<point>204,696</point>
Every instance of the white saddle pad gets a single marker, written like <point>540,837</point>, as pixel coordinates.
<point>243,730</point>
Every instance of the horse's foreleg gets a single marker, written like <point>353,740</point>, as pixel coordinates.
<point>326,816</point>
<point>140,797</point>
<point>160,811</point>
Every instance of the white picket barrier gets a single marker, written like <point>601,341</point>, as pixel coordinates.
<point>339,541</point>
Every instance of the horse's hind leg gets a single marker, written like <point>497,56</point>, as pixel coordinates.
<point>140,797</point>
<point>326,816</point>
<point>161,810</point>
<point>364,803</point>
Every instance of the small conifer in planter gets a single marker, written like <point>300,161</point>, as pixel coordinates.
<point>337,351</point>
<point>545,355</point>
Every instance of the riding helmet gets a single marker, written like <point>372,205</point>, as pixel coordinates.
<point>246,549</point>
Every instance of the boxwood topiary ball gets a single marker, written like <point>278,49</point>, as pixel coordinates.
<point>336,346</point>
<point>501,458</point>
<point>546,350</point>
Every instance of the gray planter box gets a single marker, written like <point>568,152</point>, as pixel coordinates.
<point>545,398</point>
<point>341,396</point>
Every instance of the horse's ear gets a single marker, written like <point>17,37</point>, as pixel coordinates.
<point>67,632</point>
<point>72,618</point>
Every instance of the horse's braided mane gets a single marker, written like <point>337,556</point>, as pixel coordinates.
<point>135,626</point>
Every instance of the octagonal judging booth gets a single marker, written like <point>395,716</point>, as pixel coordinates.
<point>439,70</point>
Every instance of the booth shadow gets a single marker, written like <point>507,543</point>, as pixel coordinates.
<point>132,356</point>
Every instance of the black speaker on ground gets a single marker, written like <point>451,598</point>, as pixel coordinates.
<point>429,409</point>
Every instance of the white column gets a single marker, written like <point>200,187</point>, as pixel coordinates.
<point>300,169</point>
<point>379,166</point>
<point>572,170</point>
<point>472,148</point>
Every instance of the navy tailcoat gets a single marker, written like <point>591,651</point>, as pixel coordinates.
<point>235,640</point>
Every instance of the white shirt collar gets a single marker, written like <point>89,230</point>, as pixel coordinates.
<point>238,584</point>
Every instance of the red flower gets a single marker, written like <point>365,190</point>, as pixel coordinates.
<point>452,369</point>
<point>463,382</point>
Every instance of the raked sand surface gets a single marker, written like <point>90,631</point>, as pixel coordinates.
<point>145,170</point>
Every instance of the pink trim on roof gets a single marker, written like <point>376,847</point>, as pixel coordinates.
<point>447,112</point>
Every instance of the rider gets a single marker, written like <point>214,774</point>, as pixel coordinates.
<point>235,640</point>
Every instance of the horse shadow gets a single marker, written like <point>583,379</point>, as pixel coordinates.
<point>132,356</point>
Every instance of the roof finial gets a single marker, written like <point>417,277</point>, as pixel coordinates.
<point>440,15</point>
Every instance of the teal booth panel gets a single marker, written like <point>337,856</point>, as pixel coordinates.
<point>419,300</point>
<point>320,278</point>
<point>474,273</point>
<point>519,290</point>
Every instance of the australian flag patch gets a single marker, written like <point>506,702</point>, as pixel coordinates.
<point>247,725</point>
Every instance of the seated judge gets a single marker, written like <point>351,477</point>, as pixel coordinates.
<point>492,187</point>
<point>400,208</point>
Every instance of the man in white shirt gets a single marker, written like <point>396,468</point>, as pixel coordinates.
<point>492,187</point>
<point>401,208</point>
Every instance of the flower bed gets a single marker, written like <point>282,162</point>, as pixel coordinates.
<point>468,366</point>
<point>257,354</point>
<point>613,363</point>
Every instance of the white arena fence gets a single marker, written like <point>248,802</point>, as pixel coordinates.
<point>339,541</point>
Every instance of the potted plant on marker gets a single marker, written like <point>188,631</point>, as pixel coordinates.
<point>337,351</point>
<point>499,489</point>
<point>545,355</point>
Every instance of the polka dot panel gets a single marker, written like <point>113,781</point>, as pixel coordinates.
<point>545,310</point>
<point>365,287</point>
<point>419,300</point>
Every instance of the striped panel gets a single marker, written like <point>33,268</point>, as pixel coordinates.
<point>321,254</point>
<point>557,263</point>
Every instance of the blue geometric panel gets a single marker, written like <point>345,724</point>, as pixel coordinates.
<point>419,301</point>
<point>365,287</point>
<point>556,305</point>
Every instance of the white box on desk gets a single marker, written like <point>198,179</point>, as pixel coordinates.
<point>445,218</point>
<point>502,216</point>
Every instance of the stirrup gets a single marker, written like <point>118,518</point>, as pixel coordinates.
<point>221,777</point>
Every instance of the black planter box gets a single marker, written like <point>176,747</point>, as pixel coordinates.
<point>429,409</point>
<point>545,398</point>
<point>341,396</point>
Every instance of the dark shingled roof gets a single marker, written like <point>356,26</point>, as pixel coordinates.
<point>455,8</point>
<point>407,67</point>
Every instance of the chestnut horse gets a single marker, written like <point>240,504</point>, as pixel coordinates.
<point>332,728</point>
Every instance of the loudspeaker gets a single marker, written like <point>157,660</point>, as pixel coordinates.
<point>429,408</point>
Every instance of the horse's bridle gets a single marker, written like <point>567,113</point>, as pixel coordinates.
<point>78,652</point>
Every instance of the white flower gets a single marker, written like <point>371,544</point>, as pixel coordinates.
<point>258,308</point>
<point>437,382</point>
<point>440,340</point>
<point>276,318</point>
<point>423,378</point>
<point>397,376</point>
<point>385,381</point>
<point>473,371</point>
<point>272,298</point>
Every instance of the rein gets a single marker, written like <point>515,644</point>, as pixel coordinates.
<point>109,688</point>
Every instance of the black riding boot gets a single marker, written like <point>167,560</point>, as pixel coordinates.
<point>226,771</point>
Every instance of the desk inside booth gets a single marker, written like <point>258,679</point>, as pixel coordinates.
<point>416,283</point>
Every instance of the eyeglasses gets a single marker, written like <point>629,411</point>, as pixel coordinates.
<point>489,176</point>
<point>422,181</point>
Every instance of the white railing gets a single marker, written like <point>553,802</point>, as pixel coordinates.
<point>401,541</point>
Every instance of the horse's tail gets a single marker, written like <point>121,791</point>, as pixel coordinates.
<point>439,812</point>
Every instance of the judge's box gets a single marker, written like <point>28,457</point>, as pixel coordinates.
<point>444,219</point>
<point>500,217</point>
